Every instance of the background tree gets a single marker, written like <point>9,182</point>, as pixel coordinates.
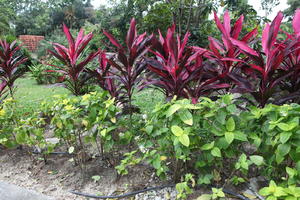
<point>7,14</point>
<point>293,5</point>
<point>268,5</point>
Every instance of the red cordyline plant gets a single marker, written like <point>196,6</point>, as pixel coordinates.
<point>104,76</point>
<point>225,55</point>
<point>10,60</point>
<point>73,64</point>
<point>2,90</point>
<point>179,71</point>
<point>266,67</point>
<point>127,66</point>
<point>291,49</point>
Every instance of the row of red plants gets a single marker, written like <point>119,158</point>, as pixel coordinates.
<point>231,64</point>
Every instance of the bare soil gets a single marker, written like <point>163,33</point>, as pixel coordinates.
<point>59,176</point>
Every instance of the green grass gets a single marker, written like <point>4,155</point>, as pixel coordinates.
<point>29,94</point>
<point>147,99</point>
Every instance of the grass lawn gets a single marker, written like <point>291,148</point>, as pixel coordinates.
<point>30,95</point>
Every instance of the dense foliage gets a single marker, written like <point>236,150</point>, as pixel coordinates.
<point>227,106</point>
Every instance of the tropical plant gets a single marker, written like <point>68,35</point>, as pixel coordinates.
<point>264,67</point>
<point>10,60</point>
<point>2,90</point>
<point>127,65</point>
<point>178,71</point>
<point>104,76</point>
<point>225,56</point>
<point>291,62</point>
<point>71,59</point>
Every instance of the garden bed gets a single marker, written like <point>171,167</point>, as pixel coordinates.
<point>59,176</point>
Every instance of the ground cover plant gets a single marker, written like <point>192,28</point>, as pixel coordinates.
<point>215,126</point>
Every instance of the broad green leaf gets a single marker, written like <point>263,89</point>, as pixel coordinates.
<point>177,131</point>
<point>21,137</point>
<point>103,132</point>
<point>229,136</point>
<point>222,143</point>
<point>286,127</point>
<point>59,125</point>
<point>230,124</point>
<point>208,146</point>
<point>205,197</point>
<point>187,117</point>
<point>279,192</point>
<point>285,136</point>
<point>238,135</point>
<point>184,139</point>
<point>291,172</point>
<point>258,160</point>
<point>227,99</point>
<point>221,116</point>
<point>71,150</point>
<point>283,149</point>
<point>216,152</point>
<point>172,109</point>
<point>231,108</point>
<point>149,129</point>
<point>279,158</point>
<point>265,191</point>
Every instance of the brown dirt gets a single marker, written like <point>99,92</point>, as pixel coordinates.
<point>59,175</point>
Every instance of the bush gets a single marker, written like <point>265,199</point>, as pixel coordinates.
<point>44,74</point>
<point>16,129</point>
<point>219,142</point>
<point>79,121</point>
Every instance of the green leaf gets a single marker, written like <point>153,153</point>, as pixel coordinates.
<point>230,124</point>
<point>285,136</point>
<point>227,99</point>
<point>216,152</point>
<point>279,158</point>
<point>283,149</point>
<point>187,117</point>
<point>184,139</point>
<point>149,129</point>
<point>177,131</point>
<point>172,109</point>
<point>286,127</point>
<point>265,191</point>
<point>71,150</point>
<point>208,146</point>
<point>221,117</point>
<point>238,135</point>
<point>205,197</point>
<point>258,160</point>
<point>229,136</point>
<point>96,178</point>
<point>231,108</point>
<point>21,137</point>
<point>291,172</point>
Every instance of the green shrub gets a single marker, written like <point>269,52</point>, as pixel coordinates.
<point>79,121</point>
<point>219,141</point>
<point>43,74</point>
<point>17,129</point>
